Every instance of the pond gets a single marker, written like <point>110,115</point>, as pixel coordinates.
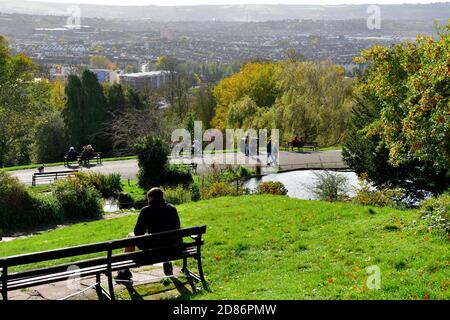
<point>111,205</point>
<point>299,183</point>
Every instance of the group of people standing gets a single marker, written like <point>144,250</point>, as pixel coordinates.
<point>271,150</point>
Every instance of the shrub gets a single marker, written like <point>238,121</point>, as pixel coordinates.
<point>19,208</point>
<point>435,212</point>
<point>243,172</point>
<point>176,175</point>
<point>219,173</point>
<point>125,200</point>
<point>258,169</point>
<point>330,186</point>
<point>46,210</point>
<point>152,159</point>
<point>195,192</point>
<point>218,189</point>
<point>272,187</point>
<point>177,195</point>
<point>381,197</point>
<point>108,185</point>
<point>15,203</point>
<point>77,199</point>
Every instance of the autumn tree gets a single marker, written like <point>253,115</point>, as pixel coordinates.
<point>101,62</point>
<point>399,133</point>
<point>411,85</point>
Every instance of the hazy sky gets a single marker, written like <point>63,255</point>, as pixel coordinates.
<point>198,2</point>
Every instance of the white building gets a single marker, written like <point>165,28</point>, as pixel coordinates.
<point>145,80</point>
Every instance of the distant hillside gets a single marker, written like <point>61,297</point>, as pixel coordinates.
<point>437,11</point>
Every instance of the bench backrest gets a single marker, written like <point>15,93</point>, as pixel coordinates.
<point>109,246</point>
<point>55,173</point>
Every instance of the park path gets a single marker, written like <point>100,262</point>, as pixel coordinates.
<point>287,161</point>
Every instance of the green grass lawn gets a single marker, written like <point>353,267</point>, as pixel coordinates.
<point>275,247</point>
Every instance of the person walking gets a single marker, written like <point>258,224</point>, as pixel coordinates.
<point>247,146</point>
<point>269,150</point>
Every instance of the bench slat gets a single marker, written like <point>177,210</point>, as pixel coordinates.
<point>85,272</point>
<point>99,247</point>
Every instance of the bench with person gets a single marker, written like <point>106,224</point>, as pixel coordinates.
<point>157,237</point>
<point>300,144</point>
<point>107,261</point>
<point>82,158</point>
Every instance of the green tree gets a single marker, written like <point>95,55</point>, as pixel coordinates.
<point>50,143</point>
<point>85,111</point>
<point>204,104</point>
<point>366,153</point>
<point>19,104</point>
<point>116,98</point>
<point>73,112</point>
<point>241,113</point>
<point>152,160</point>
<point>411,85</point>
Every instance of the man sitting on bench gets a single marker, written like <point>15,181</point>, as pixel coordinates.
<point>158,216</point>
<point>71,155</point>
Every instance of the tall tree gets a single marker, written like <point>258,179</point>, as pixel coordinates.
<point>19,102</point>
<point>411,85</point>
<point>366,153</point>
<point>73,112</point>
<point>204,104</point>
<point>85,111</point>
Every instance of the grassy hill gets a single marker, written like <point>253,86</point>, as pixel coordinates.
<point>269,247</point>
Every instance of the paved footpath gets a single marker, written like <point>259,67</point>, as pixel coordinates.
<point>287,161</point>
<point>146,285</point>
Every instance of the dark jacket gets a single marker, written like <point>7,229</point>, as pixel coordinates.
<point>72,155</point>
<point>157,217</point>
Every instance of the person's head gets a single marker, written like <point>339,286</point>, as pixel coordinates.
<point>72,149</point>
<point>155,195</point>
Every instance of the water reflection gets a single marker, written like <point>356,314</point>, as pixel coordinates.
<point>298,183</point>
<point>111,205</point>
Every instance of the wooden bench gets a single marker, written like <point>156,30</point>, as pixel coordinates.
<point>312,145</point>
<point>108,262</point>
<point>97,157</point>
<point>51,176</point>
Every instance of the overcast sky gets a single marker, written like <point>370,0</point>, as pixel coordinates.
<point>199,2</point>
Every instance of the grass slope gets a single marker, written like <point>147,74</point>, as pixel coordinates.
<point>269,247</point>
